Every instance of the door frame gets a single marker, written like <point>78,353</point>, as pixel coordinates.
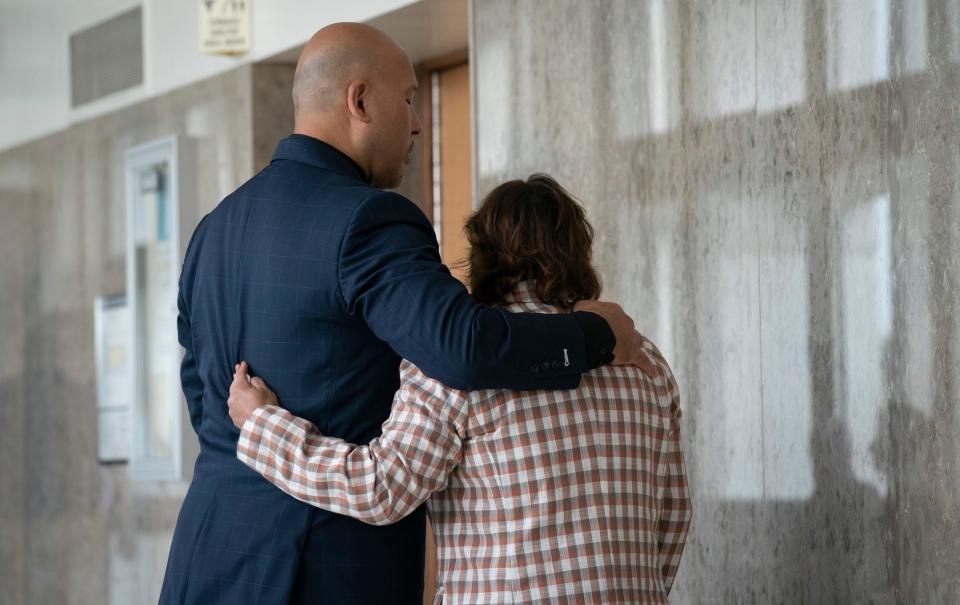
<point>424,72</point>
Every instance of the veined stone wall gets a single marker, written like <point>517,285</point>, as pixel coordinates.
<point>73,530</point>
<point>774,187</point>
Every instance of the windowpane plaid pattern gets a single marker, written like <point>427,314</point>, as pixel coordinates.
<point>576,496</point>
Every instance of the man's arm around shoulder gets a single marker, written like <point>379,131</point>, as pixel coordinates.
<point>391,274</point>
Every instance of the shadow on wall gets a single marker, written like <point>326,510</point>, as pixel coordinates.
<point>864,219</point>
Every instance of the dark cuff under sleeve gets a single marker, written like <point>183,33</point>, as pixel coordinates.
<point>598,338</point>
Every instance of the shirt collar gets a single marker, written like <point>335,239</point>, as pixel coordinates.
<point>524,300</point>
<point>308,150</point>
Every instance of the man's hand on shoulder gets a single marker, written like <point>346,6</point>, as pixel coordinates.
<point>628,350</point>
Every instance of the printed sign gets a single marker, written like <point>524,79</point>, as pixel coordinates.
<point>224,26</point>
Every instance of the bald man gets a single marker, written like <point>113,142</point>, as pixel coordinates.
<point>340,280</point>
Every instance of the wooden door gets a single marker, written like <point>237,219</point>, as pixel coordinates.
<point>456,202</point>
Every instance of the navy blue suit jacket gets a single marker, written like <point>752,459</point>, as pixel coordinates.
<point>322,283</point>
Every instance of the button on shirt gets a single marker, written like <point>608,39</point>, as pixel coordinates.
<point>576,496</point>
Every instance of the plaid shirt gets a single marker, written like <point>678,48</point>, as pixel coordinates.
<point>575,496</point>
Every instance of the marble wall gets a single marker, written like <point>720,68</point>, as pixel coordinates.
<point>775,186</point>
<point>73,530</point>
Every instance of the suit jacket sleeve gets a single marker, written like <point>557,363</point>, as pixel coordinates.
<point>391,275</point>
<point>190,379</point>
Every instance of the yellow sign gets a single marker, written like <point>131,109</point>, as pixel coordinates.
<point>224,27</point>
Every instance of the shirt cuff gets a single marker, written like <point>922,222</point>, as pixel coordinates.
<point>598,338</point>
<point>253,445</point>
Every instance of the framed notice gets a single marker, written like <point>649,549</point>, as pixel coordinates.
<point>224,26</point>
<point>114,378</point>
<point>158,449</point>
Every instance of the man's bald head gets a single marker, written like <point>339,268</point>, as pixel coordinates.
<point>353,89</point>
<point>335,56</point>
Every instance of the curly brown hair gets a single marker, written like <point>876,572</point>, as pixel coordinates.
<point>533,231</point>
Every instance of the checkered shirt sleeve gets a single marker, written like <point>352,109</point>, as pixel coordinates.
<point>675,506</point>
<point>379,483</point>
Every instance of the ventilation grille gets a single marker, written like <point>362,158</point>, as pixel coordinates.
<point>106,58</point>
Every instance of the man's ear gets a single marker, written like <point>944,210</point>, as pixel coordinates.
<point>356,97</point>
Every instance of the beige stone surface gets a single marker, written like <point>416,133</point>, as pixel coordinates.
<point>774,186</point>
<point>73,530</point>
